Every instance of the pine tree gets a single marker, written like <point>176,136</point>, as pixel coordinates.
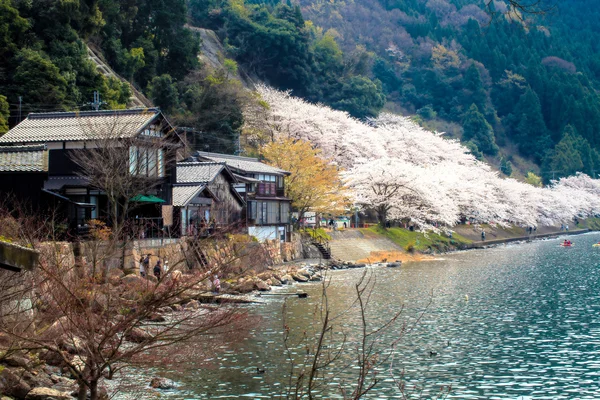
<point>506,166</point>
<point>565,159</point>
<point>529,129</point>
<point>475,91</point>
<point>477,129</point>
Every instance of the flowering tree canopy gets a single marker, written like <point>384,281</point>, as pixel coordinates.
<point>403,171</point>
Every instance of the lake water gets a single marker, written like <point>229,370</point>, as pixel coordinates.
<point>516,321</point>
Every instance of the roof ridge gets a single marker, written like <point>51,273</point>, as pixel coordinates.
<point>201,163</point>
<point>67,114</point>
<point>21,148</point>
<point>232,156</point>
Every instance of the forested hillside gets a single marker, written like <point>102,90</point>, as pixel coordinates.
<point>523,79</point>
<point>520,88</point>
<point>44,62</point>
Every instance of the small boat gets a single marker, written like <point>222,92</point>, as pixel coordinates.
<point>596,245</point>
<point>394,264</point>
<point>567,245</point>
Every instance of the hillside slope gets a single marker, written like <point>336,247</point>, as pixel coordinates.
<point>531,82</point>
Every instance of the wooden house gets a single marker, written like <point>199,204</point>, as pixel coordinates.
<point>142,138</point>
<point>267,211</point>
<point>205,199</point>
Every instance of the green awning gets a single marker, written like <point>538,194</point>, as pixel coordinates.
<point>146,198</point>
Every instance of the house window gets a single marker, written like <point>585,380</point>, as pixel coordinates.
<point>148,162</point>
<point>94,213</point>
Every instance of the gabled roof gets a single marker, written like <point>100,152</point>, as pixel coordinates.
<point>182,195</point>
<point>77,126</point>
<point>199,172</point>
<point>24,158</point>
<point>241,164</point>
<point>193,177</point>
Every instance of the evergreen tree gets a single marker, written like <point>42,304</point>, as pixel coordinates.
<point>477,129</point>
<point>475,92</point>
<point>39,80</point>
<point>565,159</point>
<point>163,92</point>
<point>506,166</point>
<point>4,114</point>
<point>529,130</point>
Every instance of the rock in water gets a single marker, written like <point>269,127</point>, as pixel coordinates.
<point>300,278</point>
<point>43,393</point>
<point>162,383</point>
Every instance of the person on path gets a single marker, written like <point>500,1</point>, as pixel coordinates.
<point>142,267</point>
<point>146,264</point>
<point>157,269</point>
<point>216,284</point>
<point>482,236</point>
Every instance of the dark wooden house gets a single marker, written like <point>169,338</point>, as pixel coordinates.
<point>267,211</point>
<point>64,135</point>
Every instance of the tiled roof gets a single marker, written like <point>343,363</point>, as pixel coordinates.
<point>244,164</point>
<point>75,126</point>
<point>198,172</point>
<point>182,195</point>
<point>23,158</point>
<point>58,182</point>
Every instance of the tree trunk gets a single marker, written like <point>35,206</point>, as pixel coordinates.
<point>82,393</point>
<point>94,389</point>
<point>382,215</point>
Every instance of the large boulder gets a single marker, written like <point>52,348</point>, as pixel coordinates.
<point>43,393</point>
<point>162,383</point>
<point>300,278</point>
<point>12,385</point>
<point>132,280</point>
<point>261,285</point>
<point>246,286</point>
<point>16,360</point>
<point>304,272</point>
<point>137,335</point>
<point>37,379</point>
<point>52,358</point>
<point>64,384</point>
<point>286,279</point>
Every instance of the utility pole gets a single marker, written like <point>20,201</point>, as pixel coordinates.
<point>96,103</point>
<point>20,104</point>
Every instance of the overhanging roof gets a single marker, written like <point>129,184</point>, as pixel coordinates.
<point>182,195</point>
<point>199,172</point>
<point>68,200</point>
<point>78,126</point>
<point>24,158</point>
<point>242,164</point>
<point>60,182</point>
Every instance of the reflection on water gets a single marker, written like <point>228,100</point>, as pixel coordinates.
<point>517,321</point>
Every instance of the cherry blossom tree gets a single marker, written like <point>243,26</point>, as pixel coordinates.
<point>402,171</point>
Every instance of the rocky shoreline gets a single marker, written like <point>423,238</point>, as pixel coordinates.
<point>45,376</point>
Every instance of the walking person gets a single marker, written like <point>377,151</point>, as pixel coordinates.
<point>482,236</point>
<point>146,265</point>
<point>142,267</point>
<point>157,269</point>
